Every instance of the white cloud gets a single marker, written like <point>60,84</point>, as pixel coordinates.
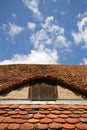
<point>63,13</point>
<point>62,42</point>
<point>82,15</point>
<point>51,26</point>
<point>81,35</point>
<point>11,30</point>
<point>82,25</point>
<point>84,61</point>
<point>13,15</point>
<point>50,33</point>
<point>4,27</point>
<point>46,41</point>
<point>31,26</point>
<point>33,6</point>
<point>46,56</point>
<point>14,30</point>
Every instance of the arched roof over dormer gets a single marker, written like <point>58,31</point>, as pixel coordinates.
<point>72,76</point>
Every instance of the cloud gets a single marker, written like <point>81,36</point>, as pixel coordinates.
<point>82,15</point>
<point>14,30</point>
<point>33,6</point>
<point>31,26</point>
<point>50,34</point>
<point>63,13</point>
<point>62,42</point>
<point>81,35</point>
<point>84,61</point>
<point>46,56</point>
<point>13,15</point>
<point>11,29</point>
<point>47,41</point>
<point>4,27</point>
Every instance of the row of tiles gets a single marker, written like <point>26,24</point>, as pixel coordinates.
<point>43,117</point>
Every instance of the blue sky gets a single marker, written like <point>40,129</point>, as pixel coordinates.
<point>43,31</point>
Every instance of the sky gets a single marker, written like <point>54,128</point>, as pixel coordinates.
<point>43,32</point>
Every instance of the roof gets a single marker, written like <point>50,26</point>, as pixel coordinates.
<point>72,76</point>
<point>43,117</point>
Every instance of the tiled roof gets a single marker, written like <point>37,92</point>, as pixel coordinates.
<point>43,117</point>
<point>73,76</point>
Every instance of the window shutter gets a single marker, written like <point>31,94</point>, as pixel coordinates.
<point>43,91</point>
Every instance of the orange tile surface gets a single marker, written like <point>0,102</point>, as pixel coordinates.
<point>43,117</point>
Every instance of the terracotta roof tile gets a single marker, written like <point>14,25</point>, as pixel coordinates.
<point>84,120</point>
<point>55,125</point>
<point>68,126</point>
<point>81,126</point>
<point>52,116</point>
<point>72,120</point>
<point>40,126</point>
<point>33,120</point>
<point>1,118</point>
<point>27,116</point>
<point>19,121</point>
<point>44,111</point>
<point>59,120</point>
<point>63,120</point>
<point>8,120</point>
<point>39,116</point>
<point>14,106</point>
<point>13,126</point>
<point>27,126</point>
<point>3,126</point>
<point>46,120</point>
<point>63,115</point>
<point>3,106</point>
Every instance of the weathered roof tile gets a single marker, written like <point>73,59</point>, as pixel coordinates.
<point>52,116</point>
<point>55,125</point>
<point>63,115</point>
<point>72,120</point>
<point>40,126</point>
<point>3,126</point>
<point>27,126</point>
<point>84,120</point>
<point>33,120</point>
<point>19,120</point>
<point>1,118</point>
<point>68,126</point>
<point>13,126</point>
<point>47,120</point>
<point>39,116</point>
<point>81,126</point>
<point>8,120</point>
<point>59,120</point>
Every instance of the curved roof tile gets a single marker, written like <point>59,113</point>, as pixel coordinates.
<point>33,117</point>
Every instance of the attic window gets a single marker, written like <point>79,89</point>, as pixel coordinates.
<point>43,90</point>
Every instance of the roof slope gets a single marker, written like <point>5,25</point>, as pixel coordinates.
<point>73,76</point>
<point>43,117</point>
